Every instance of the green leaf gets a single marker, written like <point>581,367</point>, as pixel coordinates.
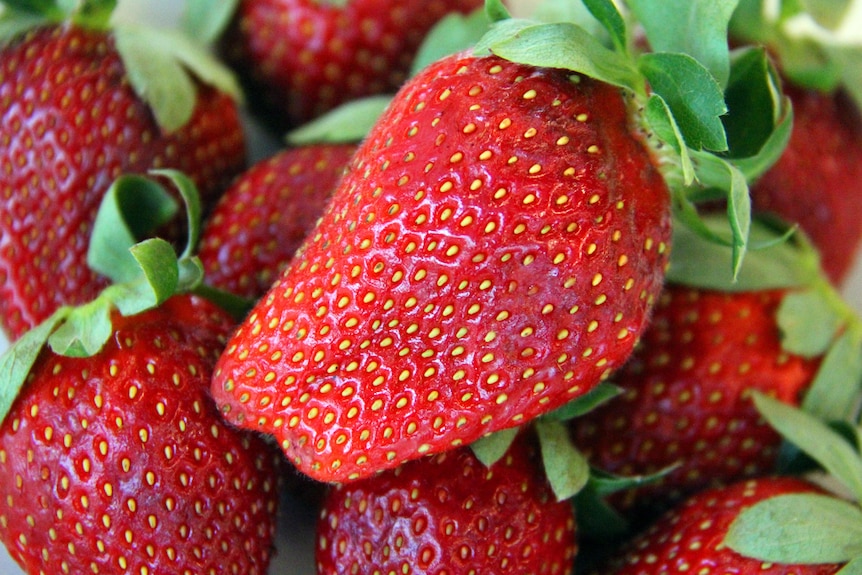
<point>453,33</point>
<point>13,23</point>
<point>605,11</point>
<point>754,102</point>
<point>549,11</point>
<point>599,395</point>
<point>660,119</point>
<point>697,28</point>
<point>804,528</point>
<point>692,94</point>
<point>815,438</point>
<point>206,20</point>
<point>85,331</point>
<point>158,262</point>
<point>496,11</point>
<point>834,392</point>
<point>94,14</point>
<point>19,358</point>
<point>752,167</point>
<point>561,45</point>
<point>739,216</point>
<point>46,8</point>
<point>704,262</point>
<point>159,63</point>
<point>566,468</point>
<point>595,517</point>
<point>347,123</point>
<point>192,201</point>
<point>808,322</point>
<point>491,448</point>
<point>847,58</point>
<point>133,207</point>
<point>854,567</point>
<point>827,13</point>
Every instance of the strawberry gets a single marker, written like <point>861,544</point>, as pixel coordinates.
<point>300,58</point>
<point>264,215</point>
<point>449,513</point>
<point>820,190</point>
<point>686,395</point>
<point>774,524</point>
<point>120,462</point>
<point>779,329</point>
<point>814,186</point>
<point>73,120</point>
<point>492,253</point>
<point>691,536</point>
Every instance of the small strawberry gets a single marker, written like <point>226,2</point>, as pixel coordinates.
<point>816,186</point>
<point>492,254</point>
<point>691,536</point>
<point>449,513</point>
<point>261,219</point>
<point>81,104</point>
<point>120,462</point>
<point>300,58</point>
<point>775,525</point>
<point>686,399</point>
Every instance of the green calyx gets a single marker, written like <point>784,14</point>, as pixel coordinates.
<point>144,275</point>
<point>718,115</point>
<point>163,65</point>
<point>807,528</point>
<point>816,42</point>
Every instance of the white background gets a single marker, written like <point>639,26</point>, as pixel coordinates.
<point>295,537</point>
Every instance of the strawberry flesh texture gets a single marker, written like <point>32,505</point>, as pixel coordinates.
<point>120,462</point>
<point>687,397</point>
<point>491,255</point>
<point>690,537</point>
<point>449,514</point>
<point>301,58</point>
<point>816,182</point>
<point>71,125</point>
<point>265,214</point>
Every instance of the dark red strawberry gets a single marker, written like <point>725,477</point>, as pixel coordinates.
<point>691,537</point>
<point>120,462</point>
<point>686,397</point>
<point>72,122</point>
<point>301,58</point>
<point>263,217</point>
<point>449,513</point>
<point>491,254</point>
<point>818,186</point>
<point>816,181</point>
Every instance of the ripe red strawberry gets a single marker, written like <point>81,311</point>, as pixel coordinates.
<point>687,396</point>
<point>72,123</point>
<point>690,537</point>
<point>449,513</point>
<point>818,187</point>
<point>301,58</point>
<point>491,255</point>
<point>120,462</point>
<point>260,221</point>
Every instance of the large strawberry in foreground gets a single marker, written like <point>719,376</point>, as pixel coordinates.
<point>449,513</point>
<point>492,254</point>
<point>301,58</point>
<point>120,463</point>
<point>81,104</point>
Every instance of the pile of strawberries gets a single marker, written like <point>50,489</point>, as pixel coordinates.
<point>544,295</point>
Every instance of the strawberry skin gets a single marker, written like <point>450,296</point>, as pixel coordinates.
<point>262,218</point>
<point>492,254</point>
<point>690,537</point>
<point>449,513</point>
<point>687,396</point>
<point>120,463</point>
<point>71,125</point>
<point>817,186</point>
<point>301,58</point>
